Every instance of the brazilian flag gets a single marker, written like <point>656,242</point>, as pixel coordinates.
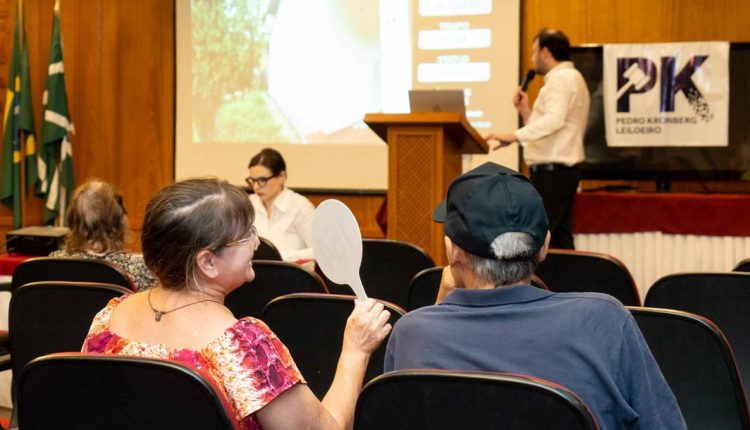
<point>18,128</point>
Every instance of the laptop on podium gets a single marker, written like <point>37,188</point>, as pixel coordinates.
<point>437,101</point>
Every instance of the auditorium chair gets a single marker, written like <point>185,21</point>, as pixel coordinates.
<point>47,317</point>
<point>312,327</point>
<point>266,251</point>
<point>447,400</point>
<point>70,391</point>
<point>697,363</point>
<point>69,269</point>
<point>576,271</point>
<point>272,279</point>
<point>387,268</point>
<point>60,269</point>
<point>742,266</point>
<point>424,288</point>
<point>722,297</point>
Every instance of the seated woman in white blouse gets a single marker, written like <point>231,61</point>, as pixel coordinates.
<point>281,215</point>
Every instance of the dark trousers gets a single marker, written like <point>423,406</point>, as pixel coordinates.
<point>557,184</point>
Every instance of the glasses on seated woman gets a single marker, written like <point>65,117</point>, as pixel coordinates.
<point>261,181</point>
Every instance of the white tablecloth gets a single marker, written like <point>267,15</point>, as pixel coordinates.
<point>651,255</point>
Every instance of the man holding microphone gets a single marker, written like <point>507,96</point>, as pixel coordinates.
<point>552,135</point>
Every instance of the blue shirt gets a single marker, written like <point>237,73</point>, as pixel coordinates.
<point>587,342</point>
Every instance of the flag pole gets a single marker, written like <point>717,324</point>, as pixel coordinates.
<point>22,140</point>
<point>60,219</point>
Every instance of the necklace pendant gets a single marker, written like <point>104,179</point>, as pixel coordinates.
<point>157,315</point>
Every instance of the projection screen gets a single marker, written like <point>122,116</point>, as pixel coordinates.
<point>299,76</point>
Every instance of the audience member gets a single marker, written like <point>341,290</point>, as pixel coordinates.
<point>198,238</point>
<point>282,216</point>
<point>99,229</point>
<point>489,317</point>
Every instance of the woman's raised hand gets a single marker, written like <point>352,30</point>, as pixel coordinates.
<point>367,326</point>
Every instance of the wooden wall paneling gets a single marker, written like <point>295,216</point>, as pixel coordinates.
<point>713,20</point>
<point>79,26</point>
<point>5,38</point>
<point>119,67</point>
<point>636,21</point>
<point>632,21</point>
<point>138,98</point>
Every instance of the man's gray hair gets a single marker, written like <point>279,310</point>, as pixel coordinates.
<point>516,259</point>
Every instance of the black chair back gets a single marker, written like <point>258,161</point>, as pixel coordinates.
<point>724,298</point>
<point>267,251</point>
<point>312,327</point>
<point>69,269</point>
<point>742,266</point>
<point>437,400</point>
<point>272,279</point>
<point>89,391</point>
<point>576,271</point>
<point>388,267</point>
<point>697,362</point>
<point>48,317</point>
<point>424,288</point>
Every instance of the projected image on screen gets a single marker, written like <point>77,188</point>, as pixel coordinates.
<point>290,71</point>
<point>300,76</point>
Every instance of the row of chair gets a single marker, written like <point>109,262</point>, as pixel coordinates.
<point>74,391</point>
<point>710,293</point>
<point>49,317</point>
<point>54,316</point>
<point>695,359</point>
<point>387,268</point>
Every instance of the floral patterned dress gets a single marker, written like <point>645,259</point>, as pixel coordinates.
<point>247,362</point>
<point>133,264</point>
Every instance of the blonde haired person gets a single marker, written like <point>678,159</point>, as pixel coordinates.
<point>99,229</point>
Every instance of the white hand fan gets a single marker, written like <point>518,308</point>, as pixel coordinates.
<point>338,245</point>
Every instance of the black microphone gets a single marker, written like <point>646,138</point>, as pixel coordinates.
<point>529,77</point>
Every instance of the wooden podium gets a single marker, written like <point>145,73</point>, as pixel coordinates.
<point>424,156</point>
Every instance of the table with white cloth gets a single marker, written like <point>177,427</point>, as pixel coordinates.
<point>656,234</point>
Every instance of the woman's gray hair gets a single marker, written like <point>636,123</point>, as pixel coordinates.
<point>189,216</point>
<point>516,259</point>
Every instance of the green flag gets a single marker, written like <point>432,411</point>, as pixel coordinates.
<point>55,152</point>
<point>18,126</point>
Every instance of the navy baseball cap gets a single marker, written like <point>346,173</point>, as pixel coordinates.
<point>488,201</point>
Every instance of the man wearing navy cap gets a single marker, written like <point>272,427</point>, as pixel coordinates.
<point>489,317</point>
